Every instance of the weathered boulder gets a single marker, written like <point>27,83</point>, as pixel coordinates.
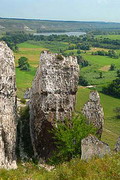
<point>92,147</point>
<point>117,146</point>
<point>53,96</point>
<point>94,112</point>
<point>7,108</point>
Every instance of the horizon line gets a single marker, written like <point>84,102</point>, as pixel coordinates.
<point>36,19</point>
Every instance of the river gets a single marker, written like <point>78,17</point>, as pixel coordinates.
<point>61,33</point>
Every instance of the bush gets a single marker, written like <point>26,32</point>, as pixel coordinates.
<point>23,64</point>
<point>112,67</point>
<point>82,62</point>
<point>100,75</point>
<point>83,81</point>
<point>68,136</point>
<point>113,89</point>
<point>78,52</point>
<point>117,111</point>
<point>118,73</point>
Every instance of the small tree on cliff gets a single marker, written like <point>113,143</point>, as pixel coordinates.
<point>23,64</point>
<point>68,136</point>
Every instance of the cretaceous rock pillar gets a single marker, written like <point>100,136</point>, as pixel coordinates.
<point>94,112</point>
<point>53,96</point>
<point>7,108</point>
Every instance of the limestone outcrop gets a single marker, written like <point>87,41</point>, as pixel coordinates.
<point>92,147</point>
<point>117,146</point>
<point>52,99</point>
<point>7,108</point>
<point>94,112</point>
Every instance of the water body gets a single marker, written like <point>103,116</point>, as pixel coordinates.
<point>61,33</point>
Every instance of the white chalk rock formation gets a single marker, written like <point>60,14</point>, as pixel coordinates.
<point>53,96</point>
<point>7,108</point>
<point>92,147</point>
<point>94,112</point>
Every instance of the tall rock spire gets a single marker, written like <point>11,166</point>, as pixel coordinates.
<point>53,96</point>
<point>94,112</point>
<point>7,108</point>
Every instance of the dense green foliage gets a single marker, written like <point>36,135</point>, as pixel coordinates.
<point>113,89</point>
<point>83,81</point>
<point>110,53</point>
<point>81,43</point>
<point>82,62</point>
<point>112,67</point>
<point>23,64</point>
<point>118,73</point>
<point>68,136</point>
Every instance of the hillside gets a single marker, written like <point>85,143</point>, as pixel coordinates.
<point>34,25</point>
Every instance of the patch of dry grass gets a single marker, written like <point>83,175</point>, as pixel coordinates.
<point>105,68</point>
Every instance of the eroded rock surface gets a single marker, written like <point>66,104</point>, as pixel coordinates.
<point>53,96</point>
<point>27,93</point>
<point>92,147</point>
<point>117,146</point>
<point>7,108</point>
<point>94,112</point>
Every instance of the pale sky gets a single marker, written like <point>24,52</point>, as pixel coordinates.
<point>71,10</point>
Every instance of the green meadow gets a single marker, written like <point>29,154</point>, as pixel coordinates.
<point>99,64</point>
<point>113,37</point>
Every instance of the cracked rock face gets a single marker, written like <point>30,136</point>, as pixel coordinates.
<point>92,147</point>
<point>7,108</point>
<point>53,96</point>
<point>94,112</point>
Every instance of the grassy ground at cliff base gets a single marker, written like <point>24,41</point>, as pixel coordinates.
<point>107,168</point>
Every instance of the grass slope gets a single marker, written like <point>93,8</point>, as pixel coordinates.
<point>98,64</point>
<point>107,168</point>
